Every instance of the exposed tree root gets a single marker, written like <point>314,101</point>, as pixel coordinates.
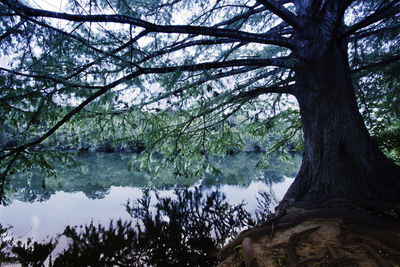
<point>381,261</point>
<point>249,257</point>
<point>307,261</point>
<point>292,243</point>
<point>329,235</point>
<point>332,252</point>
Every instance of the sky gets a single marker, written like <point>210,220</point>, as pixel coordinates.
<point>53,5</point>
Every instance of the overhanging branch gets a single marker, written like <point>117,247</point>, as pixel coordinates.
<point>241,16</point>
<point>277,30</point>
<point>11,30</point>
<point>370,32</point>
<point>381,63</point>
<point>111,54</point>
<point>288,89</point>
<point>200,82</point>
<point>150,27</point>
<point>188,44</point>
<point>385,12</point>
<point>281,12</point>
<point>56,80</point>
<point>87,44</point>
<point>69,115</point>
<point>284,62</point>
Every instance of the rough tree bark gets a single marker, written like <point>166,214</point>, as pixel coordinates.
<point>340,158</point>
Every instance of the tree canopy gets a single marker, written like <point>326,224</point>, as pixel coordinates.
<point>187,78</point>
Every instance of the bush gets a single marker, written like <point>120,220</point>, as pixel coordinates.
<point>186,230</point>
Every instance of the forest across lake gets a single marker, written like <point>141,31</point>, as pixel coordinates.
<point>98,190</point>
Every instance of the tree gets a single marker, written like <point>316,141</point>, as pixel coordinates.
<point>175,73</point>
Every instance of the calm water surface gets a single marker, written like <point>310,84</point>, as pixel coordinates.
<point>42,208</point>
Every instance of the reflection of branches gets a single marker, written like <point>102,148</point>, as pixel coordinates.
<point>185,230</point>
<point>5,173</point>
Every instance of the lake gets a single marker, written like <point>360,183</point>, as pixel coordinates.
<point>41,207</point>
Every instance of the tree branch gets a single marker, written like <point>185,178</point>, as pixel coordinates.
<point>384,62</point>
<point>56,80</point>
<point>280,62</point>
<point>387,11</point>
<point>278,30</point>
<point>281,12</point>
<point>241,16</point>
<point>369,32</point>
<point>69,115</point>
<point>200,82</point>
<point>288,89</point>
<point>245,96</point>
<point>4,175</point>
<point>150,27</point>
<point>189,44</point>
<point>11,30</point>
<point>111,54</point>
<point>284,62</point>
<point>86,43</point>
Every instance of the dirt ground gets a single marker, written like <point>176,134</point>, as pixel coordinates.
<point>325,237</point>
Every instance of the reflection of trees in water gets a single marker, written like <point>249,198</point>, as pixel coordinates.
<point>185,230</point>
<point>240,169</point>
<point>31,188</point>
<point>100,171</point>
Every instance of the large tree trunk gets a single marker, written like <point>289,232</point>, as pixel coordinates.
<point>340,158</point>
<point>341,163</point>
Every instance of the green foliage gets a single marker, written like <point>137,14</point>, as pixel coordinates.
<point>377,87</point>
<point>379,100</point>
<point>182,116</point>
<point>72,84</point>
<point>388,140</point>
